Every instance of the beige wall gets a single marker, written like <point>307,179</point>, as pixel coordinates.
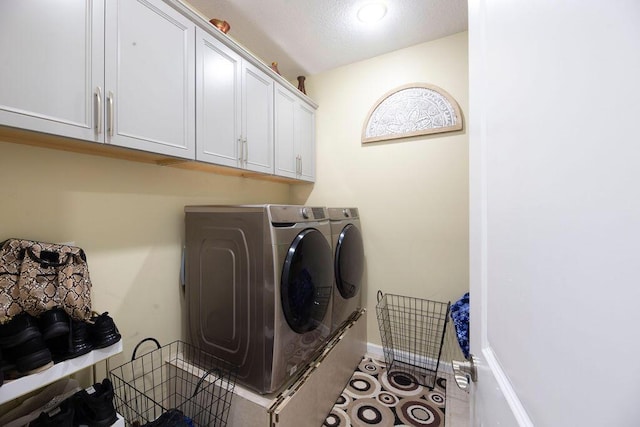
<point>129,219</point>
<point>129,216</point>
<point>412,193</point>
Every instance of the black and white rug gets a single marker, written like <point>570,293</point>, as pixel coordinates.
<point>374,397</point>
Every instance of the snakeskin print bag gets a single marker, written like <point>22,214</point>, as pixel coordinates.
<point>37,276</point>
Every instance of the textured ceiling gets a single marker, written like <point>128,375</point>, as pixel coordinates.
<point>307,37</point>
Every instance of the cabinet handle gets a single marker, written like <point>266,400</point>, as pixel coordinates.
<point>300,167</point>
<point>241,149</point>
<point>246,152</point>
<point>98,98</point>
<point>110,113</point>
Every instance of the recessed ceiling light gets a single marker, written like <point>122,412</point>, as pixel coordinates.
<point>372,12</point>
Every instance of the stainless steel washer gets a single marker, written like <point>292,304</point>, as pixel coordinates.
<point>348,263</point>
<point>259,287</point>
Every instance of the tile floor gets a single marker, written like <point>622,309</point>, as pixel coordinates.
<point>456,400</point>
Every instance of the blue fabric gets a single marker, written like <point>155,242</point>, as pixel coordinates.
<point>460,316</point>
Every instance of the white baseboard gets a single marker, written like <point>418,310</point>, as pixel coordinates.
<point>376,351</point>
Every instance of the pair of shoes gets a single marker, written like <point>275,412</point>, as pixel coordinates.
<point>94,405</point>
<point>23,327</point>
<point>29,357</point>
<point>103,330</point>
<point>23,346</point>
<point>18,330</point>
<point>73,344</point>
<point>82,337</point>
<point>91,407</point>
<point>47,399</point>
<point>54,323</point>
<point>61,416</point>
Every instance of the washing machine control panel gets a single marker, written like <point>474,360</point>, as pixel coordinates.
<point>339,214</point>
<point>292,214</point>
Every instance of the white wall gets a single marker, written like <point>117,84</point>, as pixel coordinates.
<point>129,219</point>
<point>412,193</point>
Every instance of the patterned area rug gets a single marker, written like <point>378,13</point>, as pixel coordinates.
<point>374,397</point>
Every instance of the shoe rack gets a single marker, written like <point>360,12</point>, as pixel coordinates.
<point>12,389</point>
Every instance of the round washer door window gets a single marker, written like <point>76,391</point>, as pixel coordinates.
<point>349,261</point>
<point>305,288</point>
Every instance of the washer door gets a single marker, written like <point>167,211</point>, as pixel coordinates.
<point>349,261</point>
<point>305,289</point>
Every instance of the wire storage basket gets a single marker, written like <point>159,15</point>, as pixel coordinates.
<point>175,379</point>
<point>412,332</point>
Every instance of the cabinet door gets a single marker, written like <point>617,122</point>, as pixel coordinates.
<point>285,134</point>
<point>51,63</point>
<point>150,77</point>
<point>305,131</point>
<point>257,112</point>
<point>295,136</point>
<point>218,112</point>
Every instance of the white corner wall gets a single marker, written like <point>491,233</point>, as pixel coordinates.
<point>412,193</point>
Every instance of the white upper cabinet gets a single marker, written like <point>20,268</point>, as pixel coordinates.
<point>51,62</point>
<point>257,115</point>
<point>149,75</point>
<point>130,84</point>
<point>305,126</point>
<point>218,102</point>
<point>286,153</point>
<point>149,91</point>
<point>294,136</point>
<point>234,107</point>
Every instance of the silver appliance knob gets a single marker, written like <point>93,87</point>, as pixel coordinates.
<point>345,212</point>
<point>305,213</point>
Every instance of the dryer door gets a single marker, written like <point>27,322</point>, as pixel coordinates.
<point>349,261</point>
<point>305,289</point>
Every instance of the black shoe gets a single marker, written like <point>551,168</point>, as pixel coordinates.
<point>103,331</point>
<point>31,356</point>
<point>18,330</point>
<point>94,405</point>
<point>8,366</point>
<point>54,323</point>
<point>74,344</point>
<point>62,416</point>
<point>171,418</point>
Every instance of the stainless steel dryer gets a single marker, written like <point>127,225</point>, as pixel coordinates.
<point>348,263</point>
<point>259,287</point>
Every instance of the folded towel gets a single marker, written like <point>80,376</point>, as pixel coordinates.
<point>460,316</point>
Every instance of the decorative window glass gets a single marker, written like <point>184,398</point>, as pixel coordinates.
<point>411,110</point>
